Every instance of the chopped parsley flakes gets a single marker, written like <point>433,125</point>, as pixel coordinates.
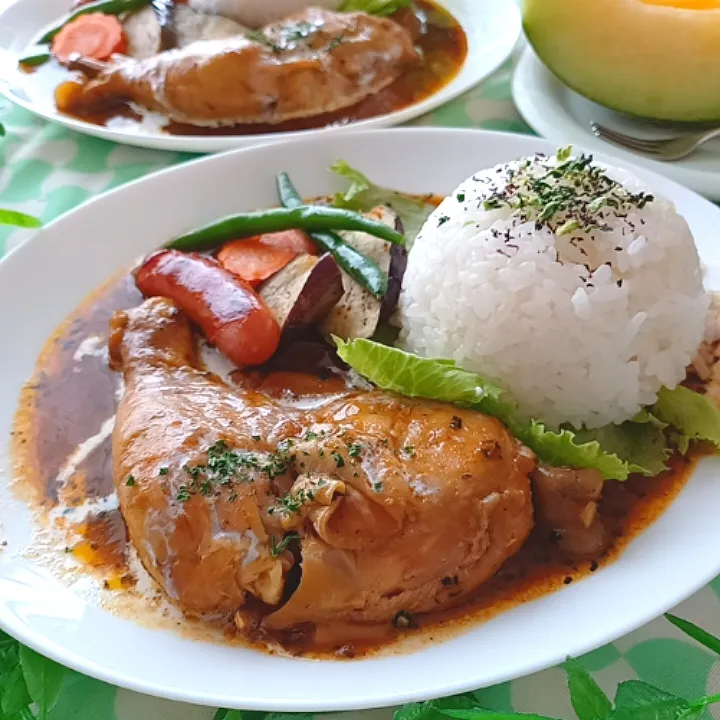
<point>290,503</point>
<point>226,467</point>
<point>568,195</point>
<point>278,548</point>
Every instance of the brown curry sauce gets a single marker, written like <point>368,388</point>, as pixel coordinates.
<point>72,394</point>
<point>443,47</point>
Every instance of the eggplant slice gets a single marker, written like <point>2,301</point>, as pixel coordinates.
<point>303,292</point>
<point>358,313</point>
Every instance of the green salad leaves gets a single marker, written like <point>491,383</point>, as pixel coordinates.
<point>641,445</point>
<point>30,684</point>
<point>374,7</point>
<point>363,196</point>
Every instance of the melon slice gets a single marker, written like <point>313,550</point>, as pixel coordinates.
<point>657,59</point>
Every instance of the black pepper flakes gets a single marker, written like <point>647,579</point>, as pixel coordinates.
<point>491,450</point>
<point>404,621</point>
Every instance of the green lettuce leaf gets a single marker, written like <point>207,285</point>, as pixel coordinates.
<point>562,448</point>
<point>374,7</point>
<point>395,370</point>
<point>398,371</point>
<point>680,441</point>
<point>641,444</point>
<point>691,414</point>
<point>363,196</point>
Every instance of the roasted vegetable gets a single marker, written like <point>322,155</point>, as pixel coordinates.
<point>312,218</point>
<point>396,272</point>
<point>303,292</point>
<point>359,267</point>
<point>358,313</point>
<point>107,7</point>
<point>256,259</point>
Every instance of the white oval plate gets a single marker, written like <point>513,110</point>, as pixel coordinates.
<point>46,278</point>
<point>561,115</point>
<point>492,30</point>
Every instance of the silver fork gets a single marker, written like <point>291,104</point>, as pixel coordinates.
<point>666,149</point>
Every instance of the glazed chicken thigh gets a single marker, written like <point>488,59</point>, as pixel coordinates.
<point>311,63</point>
<point>387,504</point>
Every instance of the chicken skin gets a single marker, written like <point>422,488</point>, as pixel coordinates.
<point>380,504</point>
<point>311,63</point>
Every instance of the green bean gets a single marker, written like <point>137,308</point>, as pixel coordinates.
<point>358,266</point>
<point>311,218</point>
<point>34,60</point>
<point>109,7</point>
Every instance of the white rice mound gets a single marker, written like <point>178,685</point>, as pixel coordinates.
<point>582,328</point>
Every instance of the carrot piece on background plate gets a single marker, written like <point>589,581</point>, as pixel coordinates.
<point>96,36</point>
<point>257,258</point>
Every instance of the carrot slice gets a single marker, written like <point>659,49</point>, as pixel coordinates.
<point>295,240</point>
<point>257,258</point>
<point>96,36</point>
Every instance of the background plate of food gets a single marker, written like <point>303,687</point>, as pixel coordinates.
<point>374,446</point>
<point>178,76</point>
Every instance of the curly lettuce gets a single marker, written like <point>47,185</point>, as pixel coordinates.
<point>392,369</point>
<point>362,196</point>
<point>641,445</point>
<point>692,415</point>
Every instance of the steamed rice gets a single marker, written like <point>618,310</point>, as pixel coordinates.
<point>582,324</point>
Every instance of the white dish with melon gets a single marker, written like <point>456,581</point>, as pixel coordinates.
<point>655,59</point>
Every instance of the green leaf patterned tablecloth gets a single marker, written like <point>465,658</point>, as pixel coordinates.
<point>46,170</point>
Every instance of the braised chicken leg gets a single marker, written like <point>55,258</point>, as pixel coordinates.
<point>311,63</point>
<point>381,504</point>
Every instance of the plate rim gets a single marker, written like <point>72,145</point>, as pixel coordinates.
<point>57,653</point>
<point>534,92</point>
<point>508,11</point>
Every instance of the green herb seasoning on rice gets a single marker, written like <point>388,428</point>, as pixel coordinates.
<point>566,281</point>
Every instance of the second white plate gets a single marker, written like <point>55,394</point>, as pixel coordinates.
<point>557,113</point>
<point>68,259</point>
<point>492,29</point>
